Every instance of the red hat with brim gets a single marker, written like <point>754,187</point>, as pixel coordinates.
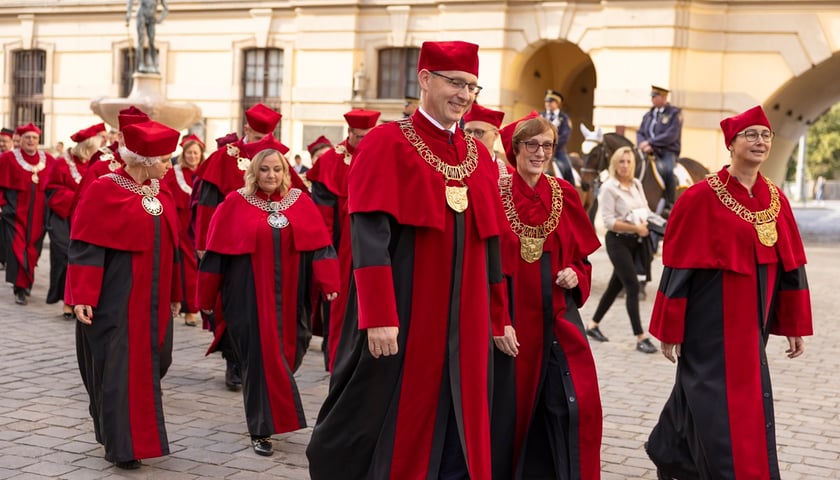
<point>229,138</point>
<point>362,119</point>
<point>442,56</point>
<point>88,132</point>
<point>318,144</point>
<point>130,116</point>
<point>732,125</point>
<point>7,132</point>
<point>506,134</point>
<point>262,119</point>
<point>248,150</point>
<point>29,127</point>
<point>192,138</point>
<point>150,139</point>
<point>478,113</point>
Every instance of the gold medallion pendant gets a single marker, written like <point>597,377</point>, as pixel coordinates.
<point>278,220</point>
<point>456,198</point>
<point>152,206</point>
<point>531,249</point>
<point>767,233</point>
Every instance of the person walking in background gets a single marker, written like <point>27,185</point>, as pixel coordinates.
<point>624,212</point>
<point>734,274</point>
<point>547,418</point>
<point>263,241</point>
<point>660,135</point>
<point>561,165</point>
<point>122,279</point>
<point>60,189</point>
<point>819,190</point>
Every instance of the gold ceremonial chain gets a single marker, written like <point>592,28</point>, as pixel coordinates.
<point>42,162</point>
<point>276,217</point>
<point>241,162</point>
<point>151,204</point>
<point>342,150</point>
<point>456,196</point>
<point>531,238</point>
<point>764,221</point>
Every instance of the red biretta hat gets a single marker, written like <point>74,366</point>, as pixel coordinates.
<point>248,150</point>
<point>459,56</point>
<point>732,125</point>
<point>362,119</point>
<point>229,138</point>
<point>262,119</point>
<point>7,132</point>
<point>192,138</point>
<point>506,134</point>
<point>318,144</point>
<point>130,116</point>
<point>150,139</point>
<point>29,127</point>
<point>484,114</point>
<point>88,132</point>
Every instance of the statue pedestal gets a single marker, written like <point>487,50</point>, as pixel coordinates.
<point>146,95</point>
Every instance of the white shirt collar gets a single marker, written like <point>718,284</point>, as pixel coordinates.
<point>436,123</point>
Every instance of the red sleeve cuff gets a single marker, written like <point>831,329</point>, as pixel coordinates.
<point>499,308</point>
<point>793,314</point>
<point>377,302</point>
<point>84,285</point>
<point>667,322</point>
<point>325,273</point>
<point>207,290</point>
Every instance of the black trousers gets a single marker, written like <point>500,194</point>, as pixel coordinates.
<point>621,249</point>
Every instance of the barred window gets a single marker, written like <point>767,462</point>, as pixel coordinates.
<point>28,74</point>
<point>398,73</point>
<point>262,79</point>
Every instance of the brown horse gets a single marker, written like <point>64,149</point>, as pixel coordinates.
<point>597,160</point>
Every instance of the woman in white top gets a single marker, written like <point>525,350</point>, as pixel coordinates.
<point>624,211</point>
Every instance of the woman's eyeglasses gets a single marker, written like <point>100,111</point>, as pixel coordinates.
<point>532,146</point>
<point>752,135</point>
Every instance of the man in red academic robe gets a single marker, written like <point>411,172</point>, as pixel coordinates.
<point>122,279</point>
<point>320,146</point>
<point>734,274</point>
<point>409,394</point>
<point>329,191</point>
<point>24,204</point>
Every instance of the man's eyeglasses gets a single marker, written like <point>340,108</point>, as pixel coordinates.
<point>752,135</point>
<point>458,84</point>
<point>476,132</point>
<point>532,146</point>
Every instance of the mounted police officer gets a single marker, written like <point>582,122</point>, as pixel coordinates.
<point>659,135</point>
<point>554,113</point>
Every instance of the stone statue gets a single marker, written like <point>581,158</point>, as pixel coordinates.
<point>146,21</point>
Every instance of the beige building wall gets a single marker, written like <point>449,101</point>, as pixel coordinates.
<point>717,57</point>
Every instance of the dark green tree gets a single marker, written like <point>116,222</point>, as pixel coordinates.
<point>823,147</point>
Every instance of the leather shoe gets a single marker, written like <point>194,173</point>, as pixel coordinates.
<point>20,297</point>
<point>232,380</point>
<point>595,334</point>
<point>262,446</point>
<point>645,346</point>
<point>128,465</point>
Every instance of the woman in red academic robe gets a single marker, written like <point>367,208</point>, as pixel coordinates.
<point>179,181</point>
<point>61,187</point>
<point>734,274</point>
<point>546,408</point>
<point>266,247</point>
<point>122,281</point>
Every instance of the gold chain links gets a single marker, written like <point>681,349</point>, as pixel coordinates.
<point>450,172</point>
<point>523,230</point>
<point>281,206</point>
<point>756,218</point>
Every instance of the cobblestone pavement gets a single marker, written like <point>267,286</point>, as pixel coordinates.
<point>46,432</point>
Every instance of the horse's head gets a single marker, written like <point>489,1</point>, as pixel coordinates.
<point>592,150</point>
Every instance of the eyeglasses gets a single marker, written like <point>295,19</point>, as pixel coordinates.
<point>476,132</point>
<point>532,147</point>
<point>458,84</point>
<point>752,135</point>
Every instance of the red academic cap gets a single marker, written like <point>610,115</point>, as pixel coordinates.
<point>150,139</point>
<point>192,138</point>
<point>88,132</point>
<point>459,56</point>
<point>229,138</point>
<point>319,143</point>
<point>732,125</point>
<point>262,119</point>
<point>484,114</point>
<point>250,149</point>
<point>362,119</point>
<point>506,134</point>
<point>6,132</point>
<point>130,116</point>
<point>29,127</point>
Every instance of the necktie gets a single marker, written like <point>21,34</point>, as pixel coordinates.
<point>653,122</point>
<point>551,117</point>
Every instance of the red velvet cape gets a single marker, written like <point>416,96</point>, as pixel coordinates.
<point>189,262</point>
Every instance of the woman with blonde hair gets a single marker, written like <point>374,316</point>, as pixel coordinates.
<point>267,246</point>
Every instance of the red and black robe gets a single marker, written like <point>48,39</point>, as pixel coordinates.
<point>329,191</point>
<point>179,182</point>
<point>61,187</point>
<point>435,274</point>
<point>105,160</point>
<point>123,262</point>
<point>262,276</point>
<point>23,210</point>
<point>555,363</point>
<point>721,295</point>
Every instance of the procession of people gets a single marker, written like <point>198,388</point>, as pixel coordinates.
<point>444,276</point>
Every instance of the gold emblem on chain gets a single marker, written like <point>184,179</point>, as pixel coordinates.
<point>764,221</point>
<point>150,203</point>
<point>531,238</point>
<point>241,162</point>
<point>342,150</point>
<point>276,218</point>
<point>456,195</point>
